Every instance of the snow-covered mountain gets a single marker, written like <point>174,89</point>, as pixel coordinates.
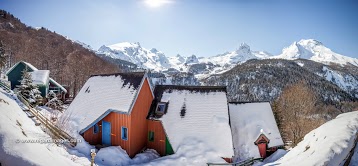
<point>240,55</point>
<point>158,61</point>
<point>314,50</point>
<point>134,53</point>
<point>204,66</point>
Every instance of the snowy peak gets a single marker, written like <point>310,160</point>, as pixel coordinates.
<point>240,55</point>
<point>191,59</point>
<point>314,50</point>
<point>310,42</point>
<point>135,53</point>
<point>243,49</point>
<point>124,46</point>
<point>180,58</point>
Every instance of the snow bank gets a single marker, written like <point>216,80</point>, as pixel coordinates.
<point>248,122</point>
<point>275,156</point>
<point>191,152</point>
<point>354,160</point>
<point>116,156</point>
<point>113,155</point>
<point>327,145</point>
<point>16,128</point>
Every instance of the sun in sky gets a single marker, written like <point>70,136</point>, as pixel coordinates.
<point>156,3</point>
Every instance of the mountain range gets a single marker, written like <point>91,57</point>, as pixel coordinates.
<point>255,75</point>
<point>204,66</point>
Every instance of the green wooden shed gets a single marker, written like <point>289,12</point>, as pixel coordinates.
<point>39,77</point>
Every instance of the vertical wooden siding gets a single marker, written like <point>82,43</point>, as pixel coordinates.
<point>138,132</point>
<point>119,120</point>
<point>159,137</point>
<point>92,138</point>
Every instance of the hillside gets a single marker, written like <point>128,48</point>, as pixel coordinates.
<point>69,62</point>
<point>263,80</point>
<point>17,131</point>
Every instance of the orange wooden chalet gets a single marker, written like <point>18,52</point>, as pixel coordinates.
<point>111,110</point>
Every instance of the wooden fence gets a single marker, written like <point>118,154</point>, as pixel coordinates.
<point>56,132</point>
<point>5,85</point>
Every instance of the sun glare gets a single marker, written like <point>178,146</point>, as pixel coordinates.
<point>156,3</point>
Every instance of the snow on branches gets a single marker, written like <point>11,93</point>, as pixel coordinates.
<point>29,90</point>
<point>53,101</point>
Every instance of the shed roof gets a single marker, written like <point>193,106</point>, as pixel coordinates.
<point>205,119</point>
<point>102,94</point>
<point>40,77</point>
<point>248,122</point>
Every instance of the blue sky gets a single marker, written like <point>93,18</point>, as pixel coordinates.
<point>200,27</point>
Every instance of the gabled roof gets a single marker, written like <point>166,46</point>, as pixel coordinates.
<point>195,113</point>
<point>33,68</point>
<point>248,121</point>
<point>103,94</point>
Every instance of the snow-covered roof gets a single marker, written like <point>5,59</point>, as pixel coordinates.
<point>205,119</point>
<point>33,68</point>
<point>40,77</point>
<point>102,94</point>
<point>30,66</point>
<point>248,122</point>
<point>59,85</point>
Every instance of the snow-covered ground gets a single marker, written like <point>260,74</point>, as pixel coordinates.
<point>16,128</point>
<point>354,160</point>
<point>20,142</point>
<point>193,153</point>
<point>346,82</point>
<point>329,144</point>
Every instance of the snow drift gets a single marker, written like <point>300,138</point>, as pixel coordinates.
<point>15,128</point>
<point>330,144</point>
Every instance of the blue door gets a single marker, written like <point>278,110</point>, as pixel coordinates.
<point>106,133</point>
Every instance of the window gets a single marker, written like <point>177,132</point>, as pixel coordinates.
<point>95,129</point>
<point>160,108</point>
<point>151,136</point>
<point>124,133</point>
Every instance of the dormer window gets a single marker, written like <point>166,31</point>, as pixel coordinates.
<point>161,108</point>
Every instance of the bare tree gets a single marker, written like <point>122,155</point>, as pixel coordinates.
<point>297,112</point>
<point>2,55</point>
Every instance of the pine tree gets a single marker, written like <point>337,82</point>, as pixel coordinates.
<point>25,84</point>
<point>29,90</point>
<point>35,94</point>
<point>53,101</point>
